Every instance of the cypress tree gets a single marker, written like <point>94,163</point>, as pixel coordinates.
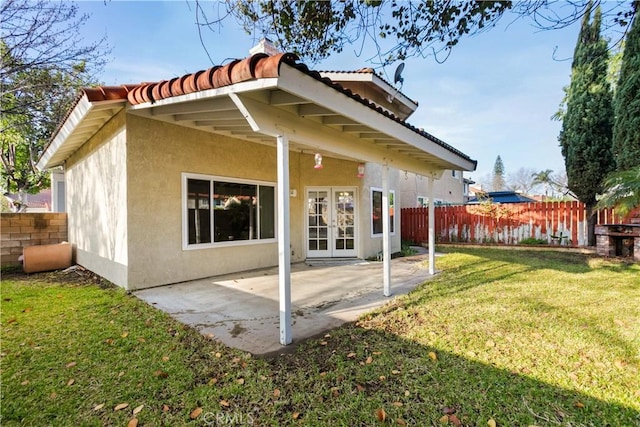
<point>626,130</point>
<point>498,175</point>
<point>587,126</point>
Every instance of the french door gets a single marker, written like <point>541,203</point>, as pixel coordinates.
<point>331,222</point>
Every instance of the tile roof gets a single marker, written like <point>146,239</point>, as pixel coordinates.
<point>256,66</point>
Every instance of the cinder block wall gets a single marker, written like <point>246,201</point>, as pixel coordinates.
<point>18,230</point>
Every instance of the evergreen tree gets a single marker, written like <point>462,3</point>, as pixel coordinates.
<point>626,130</point>
<point>587,125</point>
<point>498,183</point>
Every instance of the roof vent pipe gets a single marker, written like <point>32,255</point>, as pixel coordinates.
<point>264,46</point>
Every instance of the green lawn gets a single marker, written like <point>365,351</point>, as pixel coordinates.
<point>518,338</point>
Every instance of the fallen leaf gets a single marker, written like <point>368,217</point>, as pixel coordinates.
<point>359,387</point>
<point>121,374</point>
<point>395,372</point>
<point>137,410</point>
<point>141,339</point>
<point>448,410</point>
<point>351,355</point>
<point>335,392</point>
<point>240,381</point>
<point>98,407</point>
<point>295,415</point>
<point>579,404</point>
<point>377,353</point>
<point>133,422</point>
<point>406,393</point>
<point>444,419</point>
<point>322,374</point>
<point>382,378</point>
<point>213,381</point>
<point>490,344</point>
<point>397,404</point>
<point>401,422</point>
<point>165,358</point>
<point>276,393</point>
<point>125,334</point>
<point>381,415</point>
<point>620,364</point>
<point>53,395</point>
<point>323,343</point>
<point>26,310</point>
<point>210,336</point>
<point>454,420</point>
<point>71,381</point>
<point>165,408</point>
<point>491,422</point>
<point>224,403</point>
<point>160,374</point>
<point>25,382</point>
<point>218,355</point>
<point>120,406</point>
<point>369,360</point>
<point>108,341</point>
<point>433,356</point>
<point>71,364</point>
<point>12,320</point>
<point>195,413</point>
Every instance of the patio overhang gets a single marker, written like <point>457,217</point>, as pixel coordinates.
<point>315,117</point>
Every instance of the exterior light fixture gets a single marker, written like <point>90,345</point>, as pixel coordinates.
<point>361,170</point>
<point>318,159</point>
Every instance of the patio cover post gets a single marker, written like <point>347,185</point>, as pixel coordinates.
<point>386,241</point>
<point>432,228</point>
<point>284,254</point>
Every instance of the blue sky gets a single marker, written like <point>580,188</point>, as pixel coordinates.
<point>493,96</point>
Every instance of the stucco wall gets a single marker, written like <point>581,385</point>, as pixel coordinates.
<point>448,189</point>
<point>96,202</point>
<point>158,154</point>
<point>373,178</point>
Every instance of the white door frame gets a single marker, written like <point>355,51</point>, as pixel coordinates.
<point>332,227</point>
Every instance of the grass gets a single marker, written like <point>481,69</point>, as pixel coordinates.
<point>518,337</point>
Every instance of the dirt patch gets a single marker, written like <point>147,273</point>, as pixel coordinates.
<point>73,275</point>
<point>237,330</point>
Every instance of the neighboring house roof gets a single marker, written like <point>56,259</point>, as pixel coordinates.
<point>95,106</point>
<point>503,197</point>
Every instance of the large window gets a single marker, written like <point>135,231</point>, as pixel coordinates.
<point>376,211</point>
<point>223,210</point>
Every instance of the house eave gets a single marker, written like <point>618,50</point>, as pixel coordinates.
<point>85,120</point>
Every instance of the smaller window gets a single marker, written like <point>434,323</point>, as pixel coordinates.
<point>376,211</point>
<point>423,202</point>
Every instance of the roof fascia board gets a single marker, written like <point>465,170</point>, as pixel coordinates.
<point>316,91</point>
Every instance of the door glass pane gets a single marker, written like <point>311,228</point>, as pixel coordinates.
<point>345,220</point>
<point>318,219</point>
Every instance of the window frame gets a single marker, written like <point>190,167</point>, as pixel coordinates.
<point>186,246</point>
<point>392,218</point>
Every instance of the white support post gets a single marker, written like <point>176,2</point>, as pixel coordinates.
<point>284,254</point>
<point>386,241</point>
<point>432,228</point>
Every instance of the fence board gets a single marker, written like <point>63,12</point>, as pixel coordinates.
<point>506,223</point>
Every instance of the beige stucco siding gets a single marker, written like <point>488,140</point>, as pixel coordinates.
<point>448,189</point>
<point>373,179</point>
<point>96,200</point>
<point>159,153</point>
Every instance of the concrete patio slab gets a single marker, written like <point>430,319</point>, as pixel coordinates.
<point>242,310</point>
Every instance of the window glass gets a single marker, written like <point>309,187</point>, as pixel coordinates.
<point>376,211</point>
<point>234,211</point>
<point>267,212</point>
<point>199,211</point>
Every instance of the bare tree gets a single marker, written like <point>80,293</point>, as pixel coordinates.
<point>522,180</point>
<point>44,62</point>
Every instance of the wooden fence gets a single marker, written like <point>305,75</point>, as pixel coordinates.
<point>556,222</point>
